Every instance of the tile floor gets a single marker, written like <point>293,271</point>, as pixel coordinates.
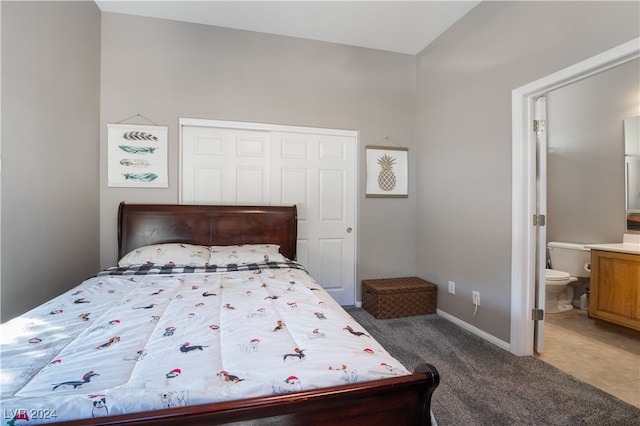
<point>606,358</point>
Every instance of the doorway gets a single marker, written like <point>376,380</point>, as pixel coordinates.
<point>525,281</point>
<point>584,195</point>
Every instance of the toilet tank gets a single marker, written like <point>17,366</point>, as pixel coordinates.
<point>570,257</point>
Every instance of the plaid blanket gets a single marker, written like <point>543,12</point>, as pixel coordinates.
<point>155,269</point>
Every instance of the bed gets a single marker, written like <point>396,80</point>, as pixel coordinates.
<point>207,319</point>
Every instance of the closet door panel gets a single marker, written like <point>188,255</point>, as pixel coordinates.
<point>208,184</point>
<point>224,166</point>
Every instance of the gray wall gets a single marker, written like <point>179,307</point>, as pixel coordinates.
<point>585,156</point>
<point>463,137</point>
<point>165,70</point>
<point>50,101</point>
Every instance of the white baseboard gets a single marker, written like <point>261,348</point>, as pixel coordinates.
<point>358,304</point>
<point>475,330</point>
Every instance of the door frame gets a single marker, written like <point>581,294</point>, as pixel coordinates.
<point>540,113</point>
<point>523,189</point>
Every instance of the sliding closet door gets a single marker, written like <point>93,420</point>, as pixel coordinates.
<point>258,164</point>
<point>317,173</point>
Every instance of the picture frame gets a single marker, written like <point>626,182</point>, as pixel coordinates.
<point>387,172</point>
<point>137,156</point>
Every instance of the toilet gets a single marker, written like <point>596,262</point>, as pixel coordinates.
<point>569,261</point>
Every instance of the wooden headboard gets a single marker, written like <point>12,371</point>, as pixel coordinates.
<point>145,224</point>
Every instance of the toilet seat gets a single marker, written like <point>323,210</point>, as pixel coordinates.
<point>553,275</point>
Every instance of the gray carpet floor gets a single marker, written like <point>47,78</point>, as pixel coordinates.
<point>482,384</point>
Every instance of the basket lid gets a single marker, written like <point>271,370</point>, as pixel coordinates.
<point>399,285</point>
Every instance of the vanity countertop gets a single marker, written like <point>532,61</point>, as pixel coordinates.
<point>619,247</point>
<point>630,244</point>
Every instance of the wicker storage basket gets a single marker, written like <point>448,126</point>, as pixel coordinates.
<point>398,297</point>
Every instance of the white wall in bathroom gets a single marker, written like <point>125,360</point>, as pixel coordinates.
<point>585,176</point>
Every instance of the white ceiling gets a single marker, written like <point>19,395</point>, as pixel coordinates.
<point>396,26</point>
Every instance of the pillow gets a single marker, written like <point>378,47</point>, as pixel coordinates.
<point>245,253</point>
<point>168,254</point>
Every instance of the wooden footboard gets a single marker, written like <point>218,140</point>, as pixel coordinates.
<point>402,400</point>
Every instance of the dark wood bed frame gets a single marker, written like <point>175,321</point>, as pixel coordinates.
<point>145,224</point>
<point>401,400</point>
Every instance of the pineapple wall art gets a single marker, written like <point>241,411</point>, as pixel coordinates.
<point>387,174</point>
<point>137,156</point>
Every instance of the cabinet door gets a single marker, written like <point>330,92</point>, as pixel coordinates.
<point>615,296</point>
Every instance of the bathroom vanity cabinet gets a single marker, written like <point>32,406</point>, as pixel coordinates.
<point>615,287</point>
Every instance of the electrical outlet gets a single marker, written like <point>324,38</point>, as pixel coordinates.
<point>476,297</point>
<point>452,287</point>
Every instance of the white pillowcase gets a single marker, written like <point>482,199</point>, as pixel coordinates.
<point>244,254</point>
<point>168,254</point>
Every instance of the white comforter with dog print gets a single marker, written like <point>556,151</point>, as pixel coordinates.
<point>129,343</point>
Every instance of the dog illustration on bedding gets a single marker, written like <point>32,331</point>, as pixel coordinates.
<point>297,353</point>
<point>289,385</point>
<point>77,383</point>
<point>173,399</point>
<point>99,403</point>
<point>258,313</point>
<point>229,377</point>
<point>252,346</point>
<point>109,342</point>
<point>187,347</point>
<point>316,334</point>
<point>349,376</point>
